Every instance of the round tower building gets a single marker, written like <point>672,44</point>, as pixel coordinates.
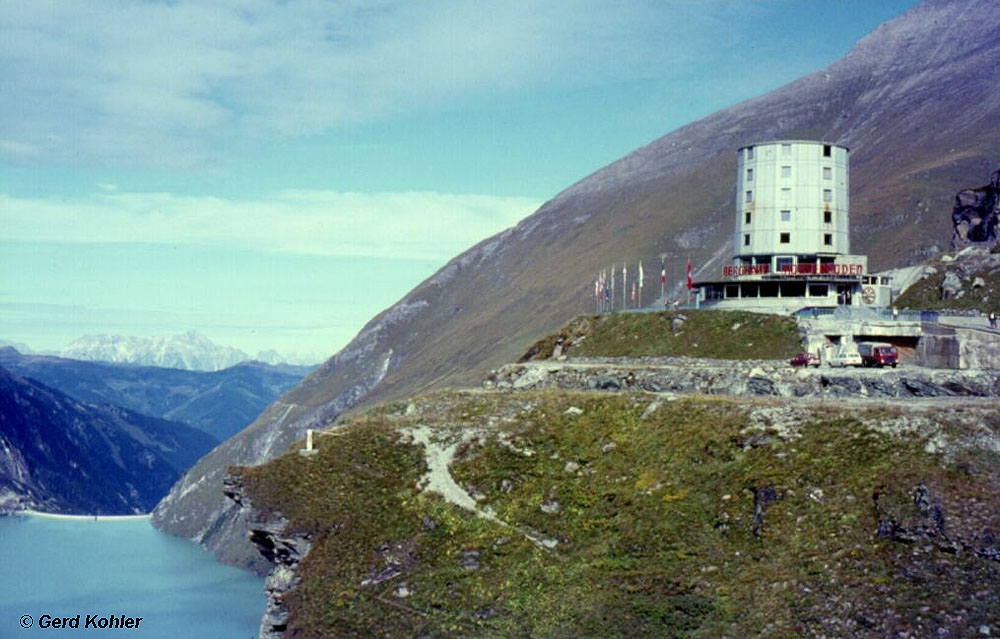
<point>792,203</point>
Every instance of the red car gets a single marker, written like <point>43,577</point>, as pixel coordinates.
<point>805,359</point>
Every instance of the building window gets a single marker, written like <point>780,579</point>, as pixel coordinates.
<point>818,290</point>
<point>749,197</point>
<point>749,175</point>
<point>786,194</point>
<point>786,216</point>
<point>746,239</point>
<point>826,150</point>
<point>747,217</point>
<point>827,173</point>
<point>749,152</point>
<point>827,217</point>
<point>827,195</point>
<point>828,239</point>
<point>786,171</point>
<point>785,238</point>
<point>786,150</point>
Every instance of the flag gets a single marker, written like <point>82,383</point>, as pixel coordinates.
<point>633,291</point>
<point>690,281</point>
<point>663,271</point>
<point>640,274</point>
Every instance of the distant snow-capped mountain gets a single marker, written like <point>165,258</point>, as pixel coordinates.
<point>188,351</point>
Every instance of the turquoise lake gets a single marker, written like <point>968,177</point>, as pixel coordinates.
<point>65,568</point>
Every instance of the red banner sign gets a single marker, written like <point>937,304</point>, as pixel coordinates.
<point>746,269</point>
<point>807,268</point>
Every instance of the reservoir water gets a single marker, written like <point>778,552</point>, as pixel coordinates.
<point>64,568</point>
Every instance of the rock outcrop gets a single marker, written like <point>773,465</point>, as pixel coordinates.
<point>976,215</point>
<point>266,531</point>
<point>745,378</point>
<point>967,281</point>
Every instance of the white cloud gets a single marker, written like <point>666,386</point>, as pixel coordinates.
<point>177,83</point>
<point>415,225</point>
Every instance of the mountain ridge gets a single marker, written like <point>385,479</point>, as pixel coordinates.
<point>915,104</point>
<point>186,351</point>
<point>219,403</point>
<point>67,456</point>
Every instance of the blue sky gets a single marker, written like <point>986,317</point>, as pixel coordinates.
<point>274,173</point>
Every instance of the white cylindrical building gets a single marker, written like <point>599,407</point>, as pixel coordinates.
<point>792,203</point>
<point>791,242</point>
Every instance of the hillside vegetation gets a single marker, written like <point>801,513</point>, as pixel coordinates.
<point>713,334</point>
<point>626,516</point>
<point>975,285</point>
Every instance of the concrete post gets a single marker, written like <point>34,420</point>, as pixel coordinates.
<point>308,451</point>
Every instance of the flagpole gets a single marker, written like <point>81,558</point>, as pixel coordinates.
<point>688,279</point>
<point>600,297</point>
<point>638,302</point>
<point>624,286</point>
<point>663,279</point>
<point>612,300</point>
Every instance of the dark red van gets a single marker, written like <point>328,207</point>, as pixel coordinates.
<point>878,354</point>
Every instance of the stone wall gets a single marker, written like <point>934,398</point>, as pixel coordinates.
<point>755,378</point>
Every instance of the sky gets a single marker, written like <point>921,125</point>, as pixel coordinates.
<point>274,173</point>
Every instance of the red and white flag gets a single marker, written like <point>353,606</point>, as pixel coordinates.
<point>663,271</point>
<point>633,291</point>
<point>690,281</point>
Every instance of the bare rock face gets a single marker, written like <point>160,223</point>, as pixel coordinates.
<point>976,215</point>
<point>752,378</point>
<point>283,552</point>
<point>951,287</point>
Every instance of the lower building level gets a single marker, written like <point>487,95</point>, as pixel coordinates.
<point>790,284</point>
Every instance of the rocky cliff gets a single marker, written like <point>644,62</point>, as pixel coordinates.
<point>976,215</point>
<point>266,530</point>
<point>915,101</point>
<point>744,378</point>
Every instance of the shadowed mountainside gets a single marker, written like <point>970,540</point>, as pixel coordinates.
<point>64,456</point>
<point>220,403</point>
<point>915,101</point>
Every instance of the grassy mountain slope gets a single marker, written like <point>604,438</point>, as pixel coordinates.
<point>916,102</point>
<point>689,518</point>
<point>713,334</point>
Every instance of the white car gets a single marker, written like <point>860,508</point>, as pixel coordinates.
<point>845,358</point>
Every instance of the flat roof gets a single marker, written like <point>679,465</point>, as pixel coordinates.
<point>817,142</point>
